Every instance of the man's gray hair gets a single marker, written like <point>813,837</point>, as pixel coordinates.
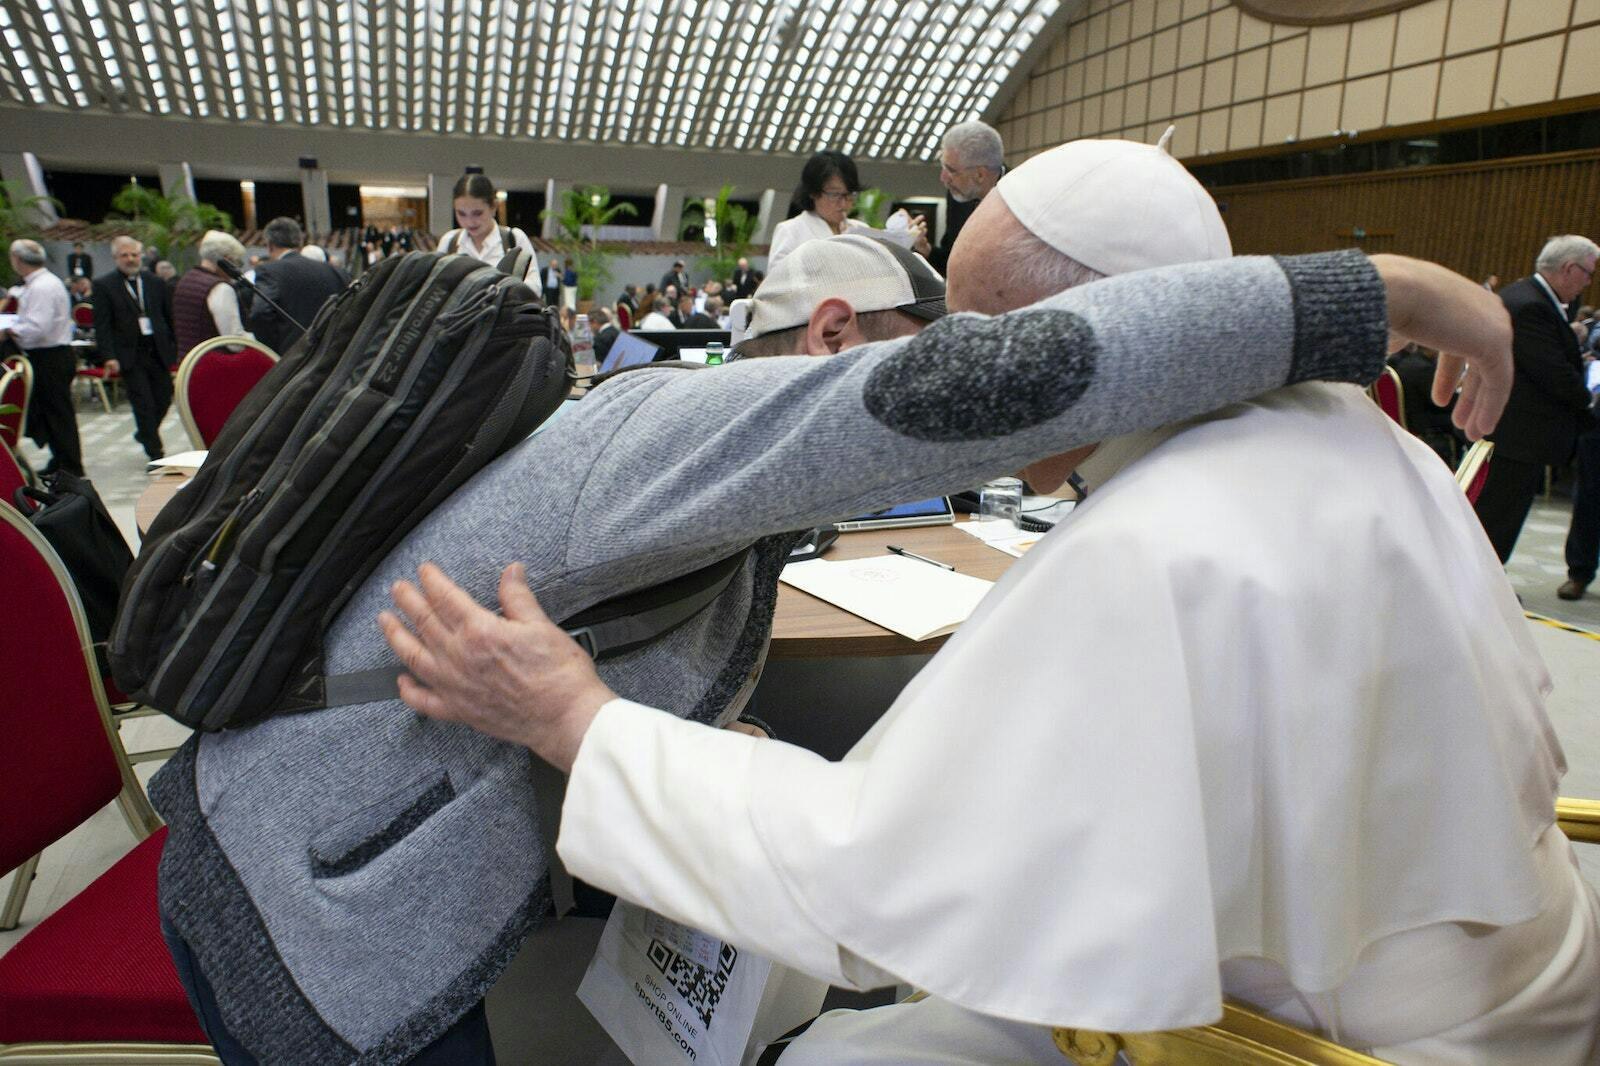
<point>30,253</point>
<point>1031,265</point>
<point>284,233</point>
<point>123,241</point>
<point>217,245</point>
<point>1567,248</point>
<point>977,143</point>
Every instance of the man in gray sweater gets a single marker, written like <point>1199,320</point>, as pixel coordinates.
<point>349,883</point>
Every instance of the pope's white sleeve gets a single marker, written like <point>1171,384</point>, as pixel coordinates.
<point>658,812</point>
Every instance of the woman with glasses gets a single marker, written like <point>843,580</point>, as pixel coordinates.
<point>820,207</point>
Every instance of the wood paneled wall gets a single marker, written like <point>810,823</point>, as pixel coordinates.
<point>1476,218</point>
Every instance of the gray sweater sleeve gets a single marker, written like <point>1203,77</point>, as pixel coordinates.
<point>718,458</point>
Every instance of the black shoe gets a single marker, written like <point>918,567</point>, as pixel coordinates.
<point>1572,589</point>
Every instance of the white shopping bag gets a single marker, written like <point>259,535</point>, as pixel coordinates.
<point>668,994</point>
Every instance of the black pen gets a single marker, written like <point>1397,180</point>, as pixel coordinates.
<point>919,558</point>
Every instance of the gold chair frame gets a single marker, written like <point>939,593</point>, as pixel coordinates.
<point>1242,1036</point>
<point>17,366</point>
<point>131,801</point>
<point>186,368</point>
<point>142,820</point>
<point>1472,462</point>
<point>1399,395</point>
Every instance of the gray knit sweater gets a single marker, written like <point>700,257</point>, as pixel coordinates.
<point>352,880</point>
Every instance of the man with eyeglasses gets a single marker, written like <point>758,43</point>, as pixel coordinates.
<point>971,162</point>
<point>1549,405</point>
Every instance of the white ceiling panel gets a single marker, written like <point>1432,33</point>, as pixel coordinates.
<point>874,78</point>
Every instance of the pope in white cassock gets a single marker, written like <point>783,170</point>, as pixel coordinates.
<point>1270,726</point>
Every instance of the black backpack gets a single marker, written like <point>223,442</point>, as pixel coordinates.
<point>405,385</point>
<point>70,515</point>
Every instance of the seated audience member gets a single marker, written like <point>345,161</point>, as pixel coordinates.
<point>717,312</point>
<point>390,960</point>
<point>314,252</point>
<point>838,293</point>
<point>630,298</point>
<point>692,319</point>
<point>659,316</point>
<point>1429,422</point>
<point>605,333</point>
<point>1354,833</point>
<point>82,289</point>
<point>166,271</point>
<point>204,303</point>
<point>298,285</point>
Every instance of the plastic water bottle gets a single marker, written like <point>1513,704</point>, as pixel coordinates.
<point>582,341</point>
<point>714,353</point>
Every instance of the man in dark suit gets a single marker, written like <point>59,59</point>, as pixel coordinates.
<point>298,285</point>
<point>133,334</point>
<point>1549,405</point>
<point>605,333</point>
<point>744,281</point>
<point>676,276</point>
<point>80,264</point>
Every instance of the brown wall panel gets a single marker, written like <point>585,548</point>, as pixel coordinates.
<point>1478,219</point>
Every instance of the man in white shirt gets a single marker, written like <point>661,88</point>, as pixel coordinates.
<point>43,330</point>
<point>1180,791</point>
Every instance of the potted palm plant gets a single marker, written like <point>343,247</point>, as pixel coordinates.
<point>583,211</point>
<point>172,225</point>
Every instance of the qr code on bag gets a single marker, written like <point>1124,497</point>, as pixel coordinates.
<point>700,986</point>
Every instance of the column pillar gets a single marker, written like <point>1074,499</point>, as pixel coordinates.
<point>314,201</point>
<point>553,191</point>
<point>441,209</point>
<point>176,180</point>
<point>764,220</point>
<point>23,168</point>
<point>669,211</point>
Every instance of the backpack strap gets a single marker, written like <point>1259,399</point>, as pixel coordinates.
<point>605,630</point>
<point>450,242</point>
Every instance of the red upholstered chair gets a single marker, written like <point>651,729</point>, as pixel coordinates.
<point>83,315</point>
<point>12,477</point>
<point>1389,394</point>
<point>98,378</point>
<point>95,974</point>
<point>16,386</point>
<point>624,318</point>
<point>213,378</point>
<point>1474,469</point>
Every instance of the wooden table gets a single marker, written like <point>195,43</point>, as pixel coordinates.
<point>803,626</point>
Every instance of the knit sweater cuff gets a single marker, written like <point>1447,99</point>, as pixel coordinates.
<point>1341,323</point>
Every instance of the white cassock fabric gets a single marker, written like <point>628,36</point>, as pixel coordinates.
<point>1264,695</point>
<point>791,233</point>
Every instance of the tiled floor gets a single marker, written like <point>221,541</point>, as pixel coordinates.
<point>529,1021</point>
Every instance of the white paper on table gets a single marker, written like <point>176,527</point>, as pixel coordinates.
<point>181,461</point>
<point>1001,536</point>
<point>915,599</point>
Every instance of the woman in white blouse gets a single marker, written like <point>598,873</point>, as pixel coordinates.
<point>820,207</point>
<point>479,234</point>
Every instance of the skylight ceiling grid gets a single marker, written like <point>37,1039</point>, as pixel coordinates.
<point>876,78</point>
